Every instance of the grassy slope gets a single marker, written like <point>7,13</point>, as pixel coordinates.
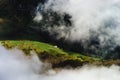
<point>52,54</point>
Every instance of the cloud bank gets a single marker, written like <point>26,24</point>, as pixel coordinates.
<point>91,19</point>
<point>14,65</point>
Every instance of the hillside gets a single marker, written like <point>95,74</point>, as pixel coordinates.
<point>50,53</point>
<point>56,56</point>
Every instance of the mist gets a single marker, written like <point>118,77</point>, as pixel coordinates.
<point>15,65</point>
<point>97,20</point>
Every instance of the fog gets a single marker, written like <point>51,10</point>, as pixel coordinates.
<point>14,65</point>
<point>91,19</point>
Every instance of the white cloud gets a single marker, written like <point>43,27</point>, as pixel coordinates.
<point>89,18</point>
<point>14,65</point>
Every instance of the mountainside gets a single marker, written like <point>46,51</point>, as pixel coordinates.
<point>56,56</point>
<point>59,39</point>
<point>45,21</point>
<point>50,53</point>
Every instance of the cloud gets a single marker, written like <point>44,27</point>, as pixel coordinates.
<point>90,18</point>
<point>14,65</point>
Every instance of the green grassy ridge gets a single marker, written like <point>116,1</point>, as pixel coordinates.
<point>50,53</point>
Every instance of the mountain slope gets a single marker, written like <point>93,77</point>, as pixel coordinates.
<point>54,55</point>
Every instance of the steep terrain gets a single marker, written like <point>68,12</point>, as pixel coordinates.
<point>56,56</point>
<point>50,53</point>
<point>17,23</point>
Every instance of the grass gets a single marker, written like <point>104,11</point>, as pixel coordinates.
<point>50,53</point>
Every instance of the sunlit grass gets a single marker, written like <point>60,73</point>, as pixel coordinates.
<point>49,53</point>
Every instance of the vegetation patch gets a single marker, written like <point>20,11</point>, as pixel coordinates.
<point>54,55</point>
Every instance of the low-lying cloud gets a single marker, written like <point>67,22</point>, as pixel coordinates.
<point>91,19</point>
<point>14,65</point>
